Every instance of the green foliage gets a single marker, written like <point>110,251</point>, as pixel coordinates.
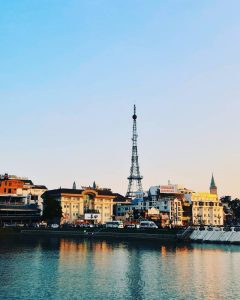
<point>52,211</point>
<point>235,207</point>
<point>231,209</point>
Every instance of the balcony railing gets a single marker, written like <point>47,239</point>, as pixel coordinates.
<point>91,211</point>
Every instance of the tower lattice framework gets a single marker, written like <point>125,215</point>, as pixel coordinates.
<point>135,183</point>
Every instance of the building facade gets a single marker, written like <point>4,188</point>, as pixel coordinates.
<point>89,204</point>
<point>14,210</point>
<point>170,203</point>
<point>207,209</point>
<point>170,200</point>
<point>33,194</point>
<point>9,186</point>
<point>12,185</point>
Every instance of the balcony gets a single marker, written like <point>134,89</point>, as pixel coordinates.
<point>91,211</point>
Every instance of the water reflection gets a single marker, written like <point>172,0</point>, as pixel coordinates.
<point>62,268</point>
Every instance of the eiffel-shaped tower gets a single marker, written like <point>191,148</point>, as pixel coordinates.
<point>135,183</point>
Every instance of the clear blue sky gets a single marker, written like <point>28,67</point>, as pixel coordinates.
<point>70,72</point>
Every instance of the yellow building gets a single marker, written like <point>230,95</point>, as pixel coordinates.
<point>206,209</point>
<point>89,204</point>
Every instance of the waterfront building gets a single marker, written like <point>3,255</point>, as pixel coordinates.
<point>168,203</point>
<point>13,209</point>
<point>123,211</point>
<point>172,202</point>
<point>33,194</point>
<point>10,184</point>
<point>207,209</point>
<point>122,207</point>
<point>87,204</point>
<point>22,186</point>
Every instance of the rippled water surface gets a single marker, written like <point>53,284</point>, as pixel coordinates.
<point>59,268</point>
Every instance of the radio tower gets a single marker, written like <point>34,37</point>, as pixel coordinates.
<point>135,184</point>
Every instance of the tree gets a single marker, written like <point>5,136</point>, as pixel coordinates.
<point>52,210</point>
<point>235,207</point>
<point>231,209</point>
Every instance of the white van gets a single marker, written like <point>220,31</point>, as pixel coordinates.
<point>147,224</point>
<point>114,224</point>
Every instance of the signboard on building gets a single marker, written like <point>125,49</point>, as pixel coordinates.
<point>91,216</point>
<point>168,189</point>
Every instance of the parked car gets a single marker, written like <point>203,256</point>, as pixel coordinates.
<point>147,224</point>
<point>88,225</point>
<point>130,226</point>
<point>42,225</point>
<point>114,224</point>
<point>54,226</point>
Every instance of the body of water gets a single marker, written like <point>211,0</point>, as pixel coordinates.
<point>60,268</point>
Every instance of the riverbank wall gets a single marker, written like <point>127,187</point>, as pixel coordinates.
<point>216,236</point>
<point>104,234</point>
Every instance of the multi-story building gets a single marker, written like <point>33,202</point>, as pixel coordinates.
<point>207,209</point>
<point>170,202</point>
<point>33,194</point>
<point>122,207</point>
<point>178,205</point>
<point>22,186</point>
<point>13,209</point>
<point>10,184</point>
<point>89,204</point>
<point>170,199</point>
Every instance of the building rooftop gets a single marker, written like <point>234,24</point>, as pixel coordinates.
<point>40,187</point>
<point>60,191</point>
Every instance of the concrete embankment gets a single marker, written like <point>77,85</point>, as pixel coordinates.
<point>103,234</point>
<point>9,231</point>
<point>217,236</point>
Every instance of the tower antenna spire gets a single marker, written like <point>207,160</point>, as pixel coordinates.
<point>134,180</point>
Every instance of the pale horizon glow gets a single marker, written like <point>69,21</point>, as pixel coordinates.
<point>71,71</point>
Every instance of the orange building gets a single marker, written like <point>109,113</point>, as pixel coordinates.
<point>10,185</point>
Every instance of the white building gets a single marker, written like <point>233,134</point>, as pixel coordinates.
<point>33,194</point>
